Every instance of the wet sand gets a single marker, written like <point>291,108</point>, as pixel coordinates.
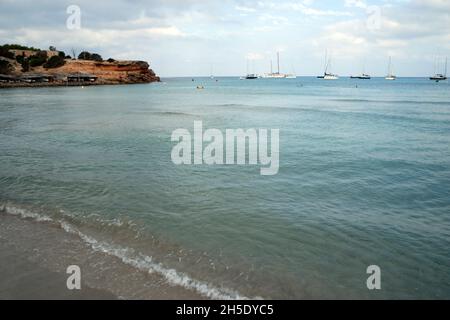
<point>23,279</point>
<point>34,256</point>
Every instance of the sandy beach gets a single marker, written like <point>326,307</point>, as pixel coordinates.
<point>31,268</point>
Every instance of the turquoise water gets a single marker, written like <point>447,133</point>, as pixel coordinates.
<point>364,179</point>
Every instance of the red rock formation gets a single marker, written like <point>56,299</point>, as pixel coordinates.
<point>115,72</point>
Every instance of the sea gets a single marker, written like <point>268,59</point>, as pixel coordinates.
<point>363,180</point>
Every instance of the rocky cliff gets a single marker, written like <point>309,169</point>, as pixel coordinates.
<point>44,67</point>
<point>116,72</point>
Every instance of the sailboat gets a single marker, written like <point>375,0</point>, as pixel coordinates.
<point>291,75</point>
<point>362,76</point>
<point>390,75</point>
<point>212,74</point>
<point>249,76</point>
<point>278,74</point>
<point>439,76</point>
<point>328,75</point>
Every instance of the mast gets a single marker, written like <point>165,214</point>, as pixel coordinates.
<point>389,67</point>
<point>435,65</point>
<point>271,68</point>
<point>445,70</point>
<point>278,61</point>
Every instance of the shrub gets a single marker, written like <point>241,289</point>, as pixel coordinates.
<point>54,62</point>
<point>4,52</point>
<point>5,67</point>
<point>85,55</point>
<point>111,60</point>
<point>25,65</point>
<point>96,57</point>
<point>20,59</point>
<point>61,54</point>
<point>38,59</point>
<point>19,47</point>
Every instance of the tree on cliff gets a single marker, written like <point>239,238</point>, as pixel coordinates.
<point>19,47</point>
<point>54,62</point>
<point>4,52</point>
<point>25,65</point>
<point>5,67</point>
<point>23,62</point>
<point>38,59</point>
<point>85,55</point>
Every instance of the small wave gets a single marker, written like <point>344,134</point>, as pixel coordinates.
<point>234,105</point>
<point>130,257</point>
<point>173,113</point>
<point>393,101</point>
<point>25,214</point>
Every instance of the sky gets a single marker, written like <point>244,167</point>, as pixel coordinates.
<point>227,37</point>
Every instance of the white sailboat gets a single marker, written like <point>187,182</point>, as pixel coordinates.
<point>390,76</point>
<point>291,75</point>
<point>326,74</point>
<point>211,73</point>
<point>278,74</point>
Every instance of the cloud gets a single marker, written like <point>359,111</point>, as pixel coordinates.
<point>356,3</point>
<point>303,7</point>
<point>245,9</point>
<point>171,32</point>
<point>254,56</point>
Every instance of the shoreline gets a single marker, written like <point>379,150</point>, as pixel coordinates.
<point>23,279</point>
<point>35,253</point>
<point>36,247</point>
<point>68,84</point>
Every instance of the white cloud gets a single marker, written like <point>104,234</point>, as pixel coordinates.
<point>356,3</point>
<point>245,9</point>
<point>254,56</point>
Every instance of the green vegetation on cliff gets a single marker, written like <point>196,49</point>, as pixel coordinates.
<point>18,47</point>
<point>55,62</point>
<point>85,55</point>
<point>5,67</point>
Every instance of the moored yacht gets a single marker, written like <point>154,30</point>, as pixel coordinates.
<point>440,76</point>
<point>278,74</point>
<point>362,76</point>
<point>251,76</point>
<point>390,75</point>
<point>328,75</point>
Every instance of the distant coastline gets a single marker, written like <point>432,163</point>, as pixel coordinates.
<point>22,66</point>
